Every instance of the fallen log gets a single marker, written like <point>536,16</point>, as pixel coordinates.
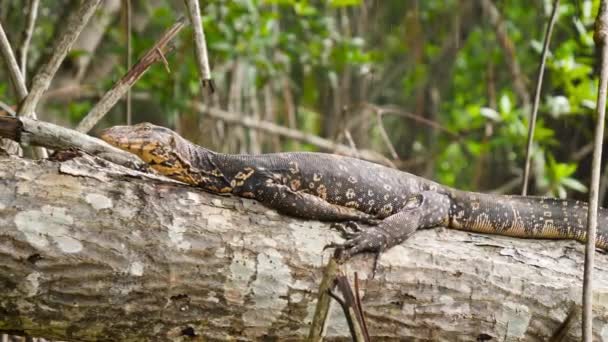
<point>90,250</point>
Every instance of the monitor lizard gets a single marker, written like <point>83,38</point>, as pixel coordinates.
<point>335,188</point>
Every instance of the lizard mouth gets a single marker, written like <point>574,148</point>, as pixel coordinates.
<point>132,139</point>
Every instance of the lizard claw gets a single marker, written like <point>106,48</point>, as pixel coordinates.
<point>370,241</point>
<point>348,229</point>
<point>373,240</point>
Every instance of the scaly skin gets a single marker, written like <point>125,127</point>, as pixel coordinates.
<point>329,187</point>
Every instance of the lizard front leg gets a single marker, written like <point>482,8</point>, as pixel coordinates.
<point>425,210</point>
<point>304,205</point>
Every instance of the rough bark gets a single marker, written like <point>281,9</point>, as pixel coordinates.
<point>93,251</point>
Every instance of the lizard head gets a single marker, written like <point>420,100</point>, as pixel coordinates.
<point>166,151</point>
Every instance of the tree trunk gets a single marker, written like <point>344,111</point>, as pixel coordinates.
<point>94,251</point>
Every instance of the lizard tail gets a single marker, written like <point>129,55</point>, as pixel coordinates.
<point>526,217</point>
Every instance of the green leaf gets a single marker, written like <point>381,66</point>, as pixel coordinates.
<point>505,104</point>
<point>490,114</point>
<point>344,3</point>
<point>574,184</point>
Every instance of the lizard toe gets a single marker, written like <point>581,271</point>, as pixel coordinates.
<point>368,241</point>
<point>349,230</point>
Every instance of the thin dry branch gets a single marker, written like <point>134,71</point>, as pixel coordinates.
<point>39,133</point>
<point>519,81</point>
<point>393,110</point>
<point>351,308</point>
<point>17,79</point>
<point>385,136</point>
<point>32,14</point>
<point>60,47</point>
<point>200,51</point>
<point>154,54</point>
<point>5,107</point>
<point>273,128</point>
<point>351,142</point>
<point>601,40</point>
<point>539,84</point>
<point>319,320</point>
<point>129,59</point>
<point>13,67</point>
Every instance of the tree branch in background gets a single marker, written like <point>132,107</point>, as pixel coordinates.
<point>109,99</point>
<point>200,45</point>
<point>129,59</point>
<point>16,79</point>
<point>519,81</point>
<point>5,107</point>
<point>60,47</point>
<point>32,13</point>
<point>384,135</point>
<point>12,66</point>
<point>394,110</point>
<point>273,128</point>
<point>351,142</point>
<point>39,133</point>
<point>601,40</point>
<point>539,84</point>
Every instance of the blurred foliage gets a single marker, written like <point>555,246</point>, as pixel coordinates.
<point>310,65</point>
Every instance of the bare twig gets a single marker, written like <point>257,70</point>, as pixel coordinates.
<point>539,84</point>
<point>39,133</point>
<point>32,13</point>
<point>61,45</point>
<point>129,60</point>
<point>13,67</point>
<point>582,152</point>
<point>273,128</point>
<point>200,51</point>
<point>351,142</point>
<point>352,312</point>
<point>110,98</point>
<point>319,320</point>
<point>17,79</point>
<point>519,81</point>
<point>384,135</point>
<point>5,107</point>
<point>601,40</point>
<point>360,306</point>
<point>393,110</point>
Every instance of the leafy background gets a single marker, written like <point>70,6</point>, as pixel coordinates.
<point>437,69</point>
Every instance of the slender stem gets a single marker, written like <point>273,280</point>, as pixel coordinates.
<point>601,40</point>
<point>13,67</point>
<point>539,84</point>
<point>60,47</point>
<point>505,42</point>
<point>17,80</point>
<point>129,61</point>
<point>200,51</point>
<point>319,320</point>
<point>32,13</point>
<point>5,107</point>
<point>109,99</point>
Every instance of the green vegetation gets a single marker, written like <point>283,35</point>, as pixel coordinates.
<point>313,65</point>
